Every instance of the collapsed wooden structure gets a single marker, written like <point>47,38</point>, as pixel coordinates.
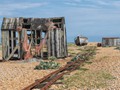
<point>36,29</point>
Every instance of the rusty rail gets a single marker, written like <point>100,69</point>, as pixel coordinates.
<point>45,82</point>
<point>54,76</point>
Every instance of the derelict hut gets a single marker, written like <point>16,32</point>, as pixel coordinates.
<point>38,32</point>
<point>110,41</point>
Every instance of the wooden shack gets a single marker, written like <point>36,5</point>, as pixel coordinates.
<point>12,38</point>
<point>110,41</point>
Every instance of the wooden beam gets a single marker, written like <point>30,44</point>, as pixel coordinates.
<point>57,43</point>
<point>40,41</point>
<point>53,44</point>
<point>48,44</point>
<point>4,48</point>
<point>60,42</point>
<point>8,42</point>
<point>65,38</point>
<point>12,43</point>
<point>18,43</point>
<point>12,53</point>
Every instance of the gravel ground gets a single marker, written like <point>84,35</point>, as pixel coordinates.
<point>108,59</point>
<point>15,75</point>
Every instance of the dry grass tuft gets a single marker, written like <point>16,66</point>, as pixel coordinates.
<point>88,79</point>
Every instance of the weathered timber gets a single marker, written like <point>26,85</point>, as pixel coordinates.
<point>48,44</point>
<point>57,43</point>
<point>52,34</point>
<point>12,53</point>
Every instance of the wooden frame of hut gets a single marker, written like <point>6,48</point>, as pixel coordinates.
<point>12,39</point>
<point>110,41</point>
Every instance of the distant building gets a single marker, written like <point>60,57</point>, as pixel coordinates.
<point>110,41</point>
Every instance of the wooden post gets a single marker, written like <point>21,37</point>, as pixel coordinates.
<point>62,44</point>
<point>48,44</point>
<point>35,37</point>
<point>57,43</point>
<point>12,40</point>
<point>53,53</point>
<point>4,48</point>
<point>40,41</point>
<point>10,55</point>
<point>8,43</point>
<point>19,53</point>
<point>65,38</point>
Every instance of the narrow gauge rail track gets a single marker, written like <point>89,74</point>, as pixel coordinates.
<point>45,82</point>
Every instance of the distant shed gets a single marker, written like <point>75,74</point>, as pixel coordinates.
<point>110,41</point>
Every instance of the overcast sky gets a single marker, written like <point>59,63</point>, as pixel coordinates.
<point>91,18</point>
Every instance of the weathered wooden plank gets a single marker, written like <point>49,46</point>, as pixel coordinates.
<point>12,53</point>
<point>65,38</point>
<point>62,53</point>
<point>60,42</point>
<point>35,37</point>
<point>48,44</point>
<point>5,24</point>
<point>10,24</point>
<point>18,43</point>
<point>8,42</point>
<point>4,46</point>
<point>21,44</point>
<point>12,43</point>
<point>57,42</point>
<point>52,35</point>
<point>41,54</point>
<point>5,53</point>
<point>18,22</point>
